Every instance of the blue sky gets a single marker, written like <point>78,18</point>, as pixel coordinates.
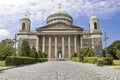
<point>108,12</point>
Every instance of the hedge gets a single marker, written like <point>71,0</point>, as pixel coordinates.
<point>17,60</point>
<point>93,60</point>
<point>41,59</point>
<point>107,61</point>
<point>90,59</point>
<point>85,59</point>
<point>76,59</point>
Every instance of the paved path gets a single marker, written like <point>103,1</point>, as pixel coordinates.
<point>61,70</point>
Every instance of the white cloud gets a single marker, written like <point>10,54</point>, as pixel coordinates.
<point>3,32</point>
<point>102,3</point>
<point>41,8</point>
<point>11,11</point>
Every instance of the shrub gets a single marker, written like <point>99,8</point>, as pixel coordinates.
<point>42,54</point>
<point>76,59</point>
<point>73,55</point>
<point>99,63</point>
<point>107,61</point>
<point>41,59</point>
<point>90,59</point>
<point>16,60</point>
<point>24,48</point>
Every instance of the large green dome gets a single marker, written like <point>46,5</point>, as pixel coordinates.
<point>59,15</point>
<point>60,11</point>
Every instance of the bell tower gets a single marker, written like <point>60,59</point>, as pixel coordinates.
<point>96,35</point>
<point>25,24</point>
<point>94,25</point>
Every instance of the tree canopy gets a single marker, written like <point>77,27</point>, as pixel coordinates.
<point>24,48</point>
<point>88,52</point>
<point>6,48</point>
<point>33,53</point>
<point>113,49</point>
<point>7,42</point>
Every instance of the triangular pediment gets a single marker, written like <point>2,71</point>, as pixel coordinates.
<point>59,25</point>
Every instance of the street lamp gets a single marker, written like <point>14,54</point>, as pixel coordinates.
<point>15,41</point>
<point>105,39</point>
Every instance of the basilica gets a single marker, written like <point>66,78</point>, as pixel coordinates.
<point>59,37</point>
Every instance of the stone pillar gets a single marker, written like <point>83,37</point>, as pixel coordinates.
<point>49,48</point>
<point>37,43</point>
<point>55,47</point>
<point>63,48</point>
<point>69,46</point>
<point>81,42</point>
<point>43,44</point>
<point>75,45</point>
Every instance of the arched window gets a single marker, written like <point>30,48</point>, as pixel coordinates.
<point>95,25</point>
<point>23,26</point>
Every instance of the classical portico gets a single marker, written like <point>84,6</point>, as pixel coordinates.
<point>59,46</point>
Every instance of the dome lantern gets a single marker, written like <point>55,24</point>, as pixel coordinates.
<point>25,18</point>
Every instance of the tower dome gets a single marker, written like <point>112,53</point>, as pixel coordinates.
<point>25,18</point>
<point>94,24</point>
<point>59,15</point>
<point>93,17</point>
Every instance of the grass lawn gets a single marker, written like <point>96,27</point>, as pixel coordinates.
<point>116,62</point>
<point>2,63</point>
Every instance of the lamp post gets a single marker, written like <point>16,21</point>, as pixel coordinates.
<point>15,40</point>
<point>105,39</point>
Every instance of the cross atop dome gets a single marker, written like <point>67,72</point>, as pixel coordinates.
<point>25,15</point>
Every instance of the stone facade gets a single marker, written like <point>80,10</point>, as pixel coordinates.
<point>59,38</point>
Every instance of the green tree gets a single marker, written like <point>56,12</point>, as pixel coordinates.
<point>90,52</point>
<point>112,49</point>
<point>44,55</point>
<point>103,52</point>
<point>118,54</point>
<point>25,48</point>
<point>73,55</point>
<point>33,53</point>
<point>82,52</point>
<point>7,42</point>
<point>39,54</point>
<point>6,48</point>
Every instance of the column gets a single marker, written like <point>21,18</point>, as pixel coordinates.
<point>55,47</point>
<point>81,42</point>
<point>69,46</point>
<point>92,44</point>
<point>37,43</point>
<point>75,45</point>
<point>63,48</point>
<point>43,44</point>
<point>49,48</point>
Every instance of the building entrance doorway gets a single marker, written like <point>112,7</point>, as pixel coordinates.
<point>59,55</point>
